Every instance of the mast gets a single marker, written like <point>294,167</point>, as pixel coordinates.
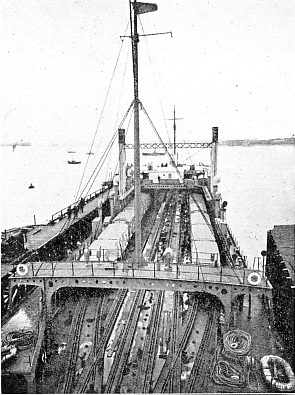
<point>138,8</point>
<point>137,211</point>
<point>174,130</point>
<point>174,119</point>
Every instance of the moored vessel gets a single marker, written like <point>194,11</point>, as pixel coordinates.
<point>143,287</point>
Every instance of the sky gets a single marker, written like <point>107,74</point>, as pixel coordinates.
<point>228,64</point>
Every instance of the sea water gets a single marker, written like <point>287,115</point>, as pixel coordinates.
<point>257,182</point>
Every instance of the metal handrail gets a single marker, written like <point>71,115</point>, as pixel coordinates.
<point>151,270</point>
<point>63,212</point>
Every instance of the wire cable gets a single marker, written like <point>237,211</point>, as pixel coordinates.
<point>106,152</point>
<point>101,115</point>
<point>155,82</point>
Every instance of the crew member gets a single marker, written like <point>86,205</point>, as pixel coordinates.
<point>81,204</point>
<point>69,212</point>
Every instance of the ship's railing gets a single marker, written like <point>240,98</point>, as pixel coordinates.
<point>241,254</point>
<point>63,212</point>
<point>157,270</point>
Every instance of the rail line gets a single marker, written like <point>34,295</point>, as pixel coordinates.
<point>145,371</point>
<point>89,372</point>
<point>121,357</point>
<point>73,347</point>
<point>200,364</point>
<point>96,334</point>
<point>174,384</point>
<point>170,363</point>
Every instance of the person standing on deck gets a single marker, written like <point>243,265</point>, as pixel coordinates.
<point>86,255</point>
<point>75,211</point>
<point>81,204</point>
<point>168,258</point>
<point>69,212</point>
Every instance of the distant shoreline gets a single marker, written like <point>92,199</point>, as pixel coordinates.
<point>253,142</point>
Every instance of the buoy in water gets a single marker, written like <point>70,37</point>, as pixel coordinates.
<point>31,186</point>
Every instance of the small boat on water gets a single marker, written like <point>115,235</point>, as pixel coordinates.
<point>31,186</point>
<point>278,373</point>
<point>73,162</point>
<point>155,153</point>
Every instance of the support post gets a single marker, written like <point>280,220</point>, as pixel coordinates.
<point>137,211</point>
<point>9,296</point>
<point>31,384</point>
<point>214,155</point>
<point>122,162</point>
<point>249,307</point>
<point>47,313</point>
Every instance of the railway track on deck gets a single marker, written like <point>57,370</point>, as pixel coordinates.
<point>96,334</point>
<point>121,357</point>
<point>73,347</point>
<point>200,367</point>
<point>145,372</point>
<point>174,384</point>
<point>95,369</point>
<point>171,363</point>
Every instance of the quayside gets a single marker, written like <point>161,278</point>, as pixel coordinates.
<point>140,286</point>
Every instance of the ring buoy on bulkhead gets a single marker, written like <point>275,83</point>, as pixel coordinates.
<point>270,365</point>
<point>22,269</point>
<point>254,278</point>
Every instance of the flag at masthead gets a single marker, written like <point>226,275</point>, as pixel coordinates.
<point>142,8</point>
<point>139,8</point>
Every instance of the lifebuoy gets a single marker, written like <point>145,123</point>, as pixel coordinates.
<point>22,269</point>
<point>271,360</point>
<point>254,278</point>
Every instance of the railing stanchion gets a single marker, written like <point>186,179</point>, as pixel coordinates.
<point>32,269</point>
<point>198,272</point>
<point>52,268</point>
<point>92,268</point>
<point>72,268</point>
<point>220,273</point>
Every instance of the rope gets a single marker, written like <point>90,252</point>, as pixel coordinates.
<point>227,374</point>
<point>237,342</point>
<point>21,339</point>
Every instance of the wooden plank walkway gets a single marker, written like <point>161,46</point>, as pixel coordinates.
<point>39,236</point>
